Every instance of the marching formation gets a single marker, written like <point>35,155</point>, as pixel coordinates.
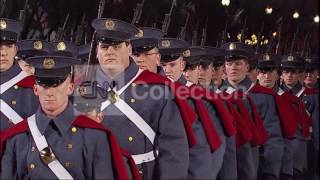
<point>136,104</point>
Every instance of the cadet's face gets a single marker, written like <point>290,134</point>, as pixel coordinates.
<point>53,100</point>
<point>192,75</point>
<point>217,72</point>
<point>236,70</point>
<point>291,77</point>
<point>148,60</point>
<point>268,78</point>
<point>7,52</point>
<point>113,57</point>
<point>174,69</point>
<point>205,75</point>
<point>311,78</point>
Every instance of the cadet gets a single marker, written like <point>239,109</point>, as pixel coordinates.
<point>312,72</point>
<point>145,50</point>
<point>56,142</point>
<point>268,66</point>
<point>307,105</point>
<point>139,108</point>
<point>191,70</point>
<point>266,120</point>
<point>172,60</point>
<point>17,99</point>
<point>216,57</point>
<point>173,65</point>
<point>311,81</point>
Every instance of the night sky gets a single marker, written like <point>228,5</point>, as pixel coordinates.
<point>219,17</point>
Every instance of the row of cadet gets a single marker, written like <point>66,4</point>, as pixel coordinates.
<point>229,113</point>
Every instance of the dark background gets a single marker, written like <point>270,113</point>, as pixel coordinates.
<point>219,17</point>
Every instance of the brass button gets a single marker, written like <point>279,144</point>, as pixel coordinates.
<point>13,102</point>
<point>130,138</point>
<point>16,87</point>
<point>69,146</point>
<point>32,166</point>
<point>132,100</point>
<point>133,84</point>
<point>74,129</point>
<point>33,148</point>
<point>67,164</point>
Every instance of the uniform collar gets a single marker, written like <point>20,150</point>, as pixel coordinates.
<point>10,73</point>
<point>63,122</point>
<point>120,80</point>
<point>276,87</point>
<point>182,80</point>
<point>294,90</point>
<point>243,85</point>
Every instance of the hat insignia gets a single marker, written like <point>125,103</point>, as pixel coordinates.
<point>109,24</point>
<point>3,24</point>
<point>38,45</point>
<point>139,34</point>
<point>187,53</point>
<point>61,46</point>
<point>165,43</point>
<point>48,63</point>
<point>266,57</point>
<point>290,58</point>
<point>232,46</point>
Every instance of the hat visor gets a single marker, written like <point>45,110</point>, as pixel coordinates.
<point>8,36</point>
<point>50,81</point>
<point>112,36</point>
<point>30,53</point>
<point>53,73</point>
<point>138,50</point>
<point>170,58</point>
<point>136,43</point>
<point>292,65</point>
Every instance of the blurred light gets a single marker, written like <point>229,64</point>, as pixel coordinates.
<point>316,19</point>
<point>253,37</point>
<point>225,2</point>
<point>266,41</point>
<point>239,36</point>
<point>255,42</point>
<point>274,34</point>
<point>268,10</point>
<point>248,41</point>
<point>228,35</point>
<point>296,15</point>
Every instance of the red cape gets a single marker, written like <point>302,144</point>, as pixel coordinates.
<point>244,134</point>
<point>84,122</point>
<point>187,113</point>
<point>253,121</point>
<point>286,113</point>
<point>27,82</point>
<point>299,112</point>
<point>309,91</point>
<point>210,130</point>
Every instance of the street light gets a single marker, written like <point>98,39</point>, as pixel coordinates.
<point>316,19</point>
<point>225,2</point>
<point>268,10</point>
<point>296,15</point>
